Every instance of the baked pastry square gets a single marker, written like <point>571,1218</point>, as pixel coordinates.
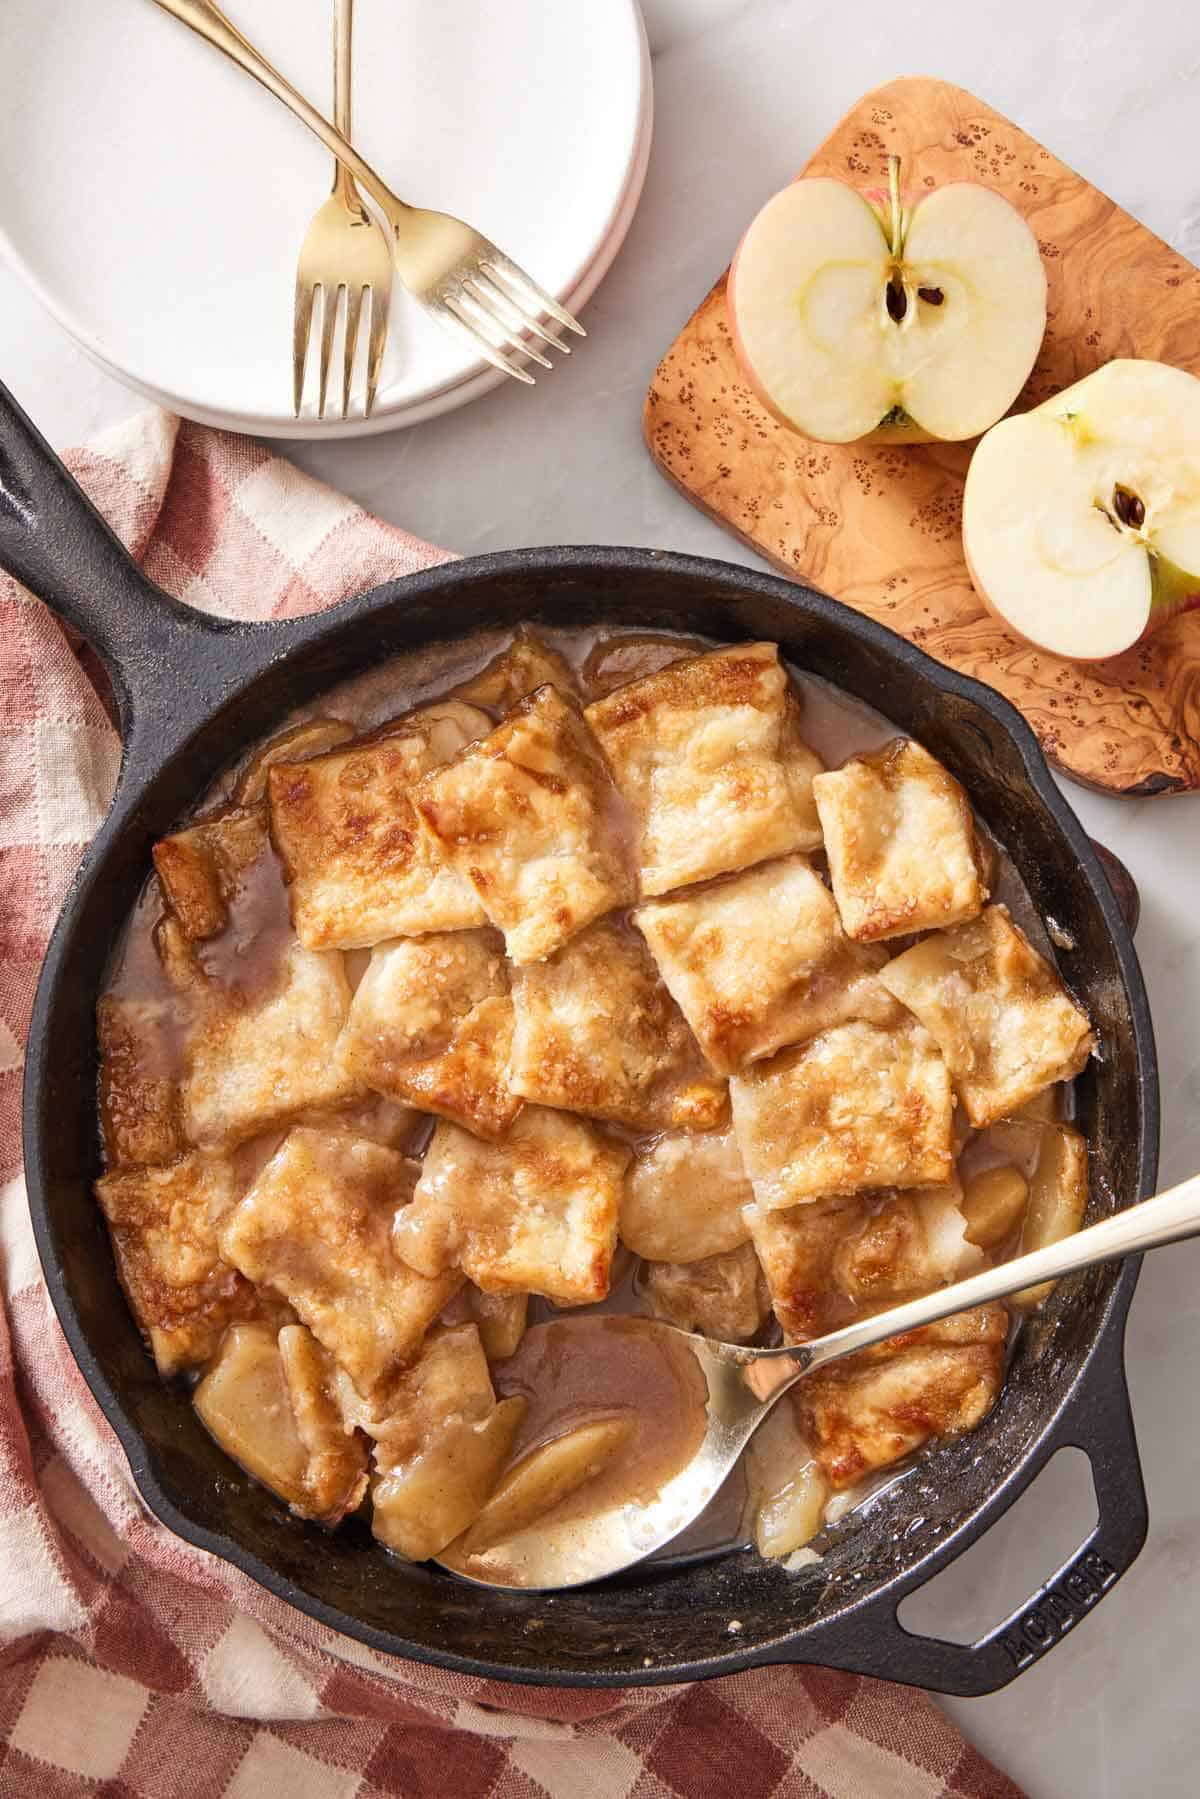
<point>796,1246</point>
<point>536,1213</point>
<point>360,867</point>
<point>909,1243</point>
<point>140,1116</point>
<point>901,845</point>
<point>853,1108</point>
<point>316,1228</point>
<point>760,960</point>
<point>872,1409</point>
<point>431,1023</point>
<point>685,1197</point>
<point>829,1260</point>
<point>165,1224</point>
<point>516,672</point>
<point>709,756</point>
<point>205,869</point>
<point>597,1032</point>
<point>530,817</point>
<point>251,1062</point>
<point>1003,1020</point>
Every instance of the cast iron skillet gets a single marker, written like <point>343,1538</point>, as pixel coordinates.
<point>193,691</point>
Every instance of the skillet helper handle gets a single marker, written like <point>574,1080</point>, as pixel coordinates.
<point>164,660</point>
<point>1098,1420</point>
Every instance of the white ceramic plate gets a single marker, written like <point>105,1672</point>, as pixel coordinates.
<point>155,198</point>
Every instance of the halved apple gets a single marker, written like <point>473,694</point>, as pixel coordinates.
<point>855,319</point>
<point>1081,519</point>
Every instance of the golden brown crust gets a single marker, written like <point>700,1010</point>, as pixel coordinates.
<point>516,672</point>
<point>316,1228</point>
<point>614,662</point>
<point>866,1412</point>
<point>597,1032</point>
<point>853,1108</point>
<point>297,744</point>
<point>165,1224</point>
<point>360,867</point>
<point>252,1061</point>
<point>708,755</point>
<point>530,817</point>
<point>536,1213</point>
<point>1001,1016</point>
<point>431,1023</point>
<point>139,1086</point>
<point>760,960</point>
<point>900,838</point>
<point>202,869</point>
<point>796,1246</point>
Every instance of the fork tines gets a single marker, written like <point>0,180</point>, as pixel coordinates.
<point>356,299</point>
<point>501,308</point>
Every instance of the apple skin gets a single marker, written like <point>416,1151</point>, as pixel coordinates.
<point>903,432</point>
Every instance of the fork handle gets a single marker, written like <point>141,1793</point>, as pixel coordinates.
<point>343,35</point>
<point>208,21</point>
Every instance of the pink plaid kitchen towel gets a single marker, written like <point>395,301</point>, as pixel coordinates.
<point>130,1664</point>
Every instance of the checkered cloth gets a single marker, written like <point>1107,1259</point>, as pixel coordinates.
<point>131,1664</point>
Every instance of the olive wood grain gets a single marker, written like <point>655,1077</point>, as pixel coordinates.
<point>878,526</point>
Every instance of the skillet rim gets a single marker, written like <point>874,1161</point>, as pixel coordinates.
<point>264,645</point>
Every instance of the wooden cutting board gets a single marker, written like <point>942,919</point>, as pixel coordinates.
<point>879,527</point>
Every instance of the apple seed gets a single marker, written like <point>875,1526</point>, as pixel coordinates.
<point>897,299</point>
<point>932,296</point>
<point>1129,508</point>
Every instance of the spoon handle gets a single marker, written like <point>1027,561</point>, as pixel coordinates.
<point>1168,1218</point>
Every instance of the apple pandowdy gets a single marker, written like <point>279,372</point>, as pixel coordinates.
<point>583,982</point>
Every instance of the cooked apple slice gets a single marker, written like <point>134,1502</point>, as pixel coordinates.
<point>1081,519</point>
<point>853,319</point>
<point>1058,1194</point>
<point>994,1202</point>
<point>788,1488</point>
<point>543,1479</point>
<point>244,1402</point>
<point>424,1504</point>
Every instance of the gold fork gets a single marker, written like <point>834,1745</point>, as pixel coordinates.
<point>345,250</point>
<point>455,272</point>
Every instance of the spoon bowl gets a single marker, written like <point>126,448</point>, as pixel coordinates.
<point>742,1385</point>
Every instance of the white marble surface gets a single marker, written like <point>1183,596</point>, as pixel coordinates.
<point>745,89</point>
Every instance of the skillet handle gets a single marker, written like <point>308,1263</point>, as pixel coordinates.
<point>871,1640</point>
<point>169,664</point>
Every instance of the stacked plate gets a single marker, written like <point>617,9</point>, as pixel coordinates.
<point>155,197</point>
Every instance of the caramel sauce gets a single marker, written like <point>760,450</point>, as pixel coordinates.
<point>246,958</point>
<point>580,1370</point>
